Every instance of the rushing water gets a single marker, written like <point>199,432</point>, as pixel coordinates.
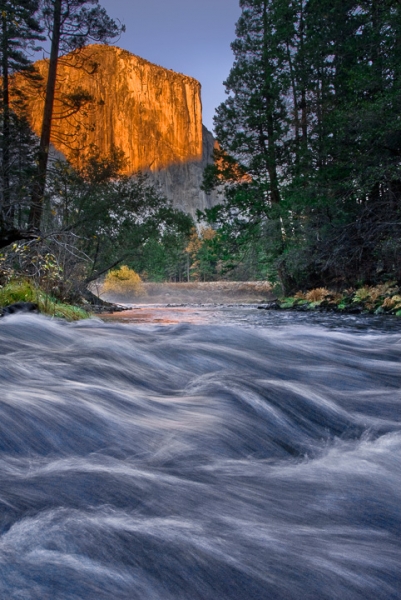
<point>200,460</point>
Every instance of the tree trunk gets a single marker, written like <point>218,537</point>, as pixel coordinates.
<point>303,105</point>
<point>6,119</point>
<point>294,88</point>
<point>271,162</point>
<point>36,210</point>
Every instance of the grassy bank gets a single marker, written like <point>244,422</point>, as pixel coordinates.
<point>25,291</point>
<point>381,299</point>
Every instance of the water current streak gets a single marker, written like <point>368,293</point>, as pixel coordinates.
<point>198,462</point>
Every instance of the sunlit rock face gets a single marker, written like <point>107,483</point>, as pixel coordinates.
<point>153,114</point>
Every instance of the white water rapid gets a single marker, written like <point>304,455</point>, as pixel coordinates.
<point>200,461</point>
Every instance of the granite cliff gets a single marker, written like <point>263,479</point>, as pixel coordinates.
<point>153,114</point>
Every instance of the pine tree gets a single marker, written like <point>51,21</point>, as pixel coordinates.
<point>71,24</point>
<point>313,117</point>
<point>252,121</point>
<point>19,32</point>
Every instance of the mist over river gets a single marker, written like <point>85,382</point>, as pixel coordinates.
<point>200,453</point>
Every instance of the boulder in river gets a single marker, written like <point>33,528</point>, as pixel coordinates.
<point>19,307</point>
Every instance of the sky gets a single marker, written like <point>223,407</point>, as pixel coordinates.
<point>189,36</point>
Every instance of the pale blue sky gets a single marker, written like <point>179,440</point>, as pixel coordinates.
<point>189,36</point>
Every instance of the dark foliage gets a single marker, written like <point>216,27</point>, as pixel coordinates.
<point>313,117</point>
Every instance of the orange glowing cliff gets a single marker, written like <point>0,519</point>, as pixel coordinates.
<point>153,114</point>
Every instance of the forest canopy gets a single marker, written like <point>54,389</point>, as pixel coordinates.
<point>313,118</point>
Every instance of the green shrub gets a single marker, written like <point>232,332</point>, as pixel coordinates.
<point>25,291</point>
<point>18,291</point>
<point>288,303</point>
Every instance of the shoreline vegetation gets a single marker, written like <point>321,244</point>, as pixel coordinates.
<point>383,299</point>
<point>26,291</point>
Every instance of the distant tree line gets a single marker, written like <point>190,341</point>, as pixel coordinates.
<point>310,136</point>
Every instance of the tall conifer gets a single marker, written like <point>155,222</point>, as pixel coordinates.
<point>71,24</point>
<point>19,33</point>
<point>253,120</point>
<point>313,117</point>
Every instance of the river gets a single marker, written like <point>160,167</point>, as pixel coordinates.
<point>200,453</point>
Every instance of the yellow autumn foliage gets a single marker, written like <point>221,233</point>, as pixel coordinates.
<point>317,294</point>
<point>123,281</point>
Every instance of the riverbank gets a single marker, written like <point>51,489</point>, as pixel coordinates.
<point>22,291</point>
<point>383,299</point>
<point>197,292</point>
